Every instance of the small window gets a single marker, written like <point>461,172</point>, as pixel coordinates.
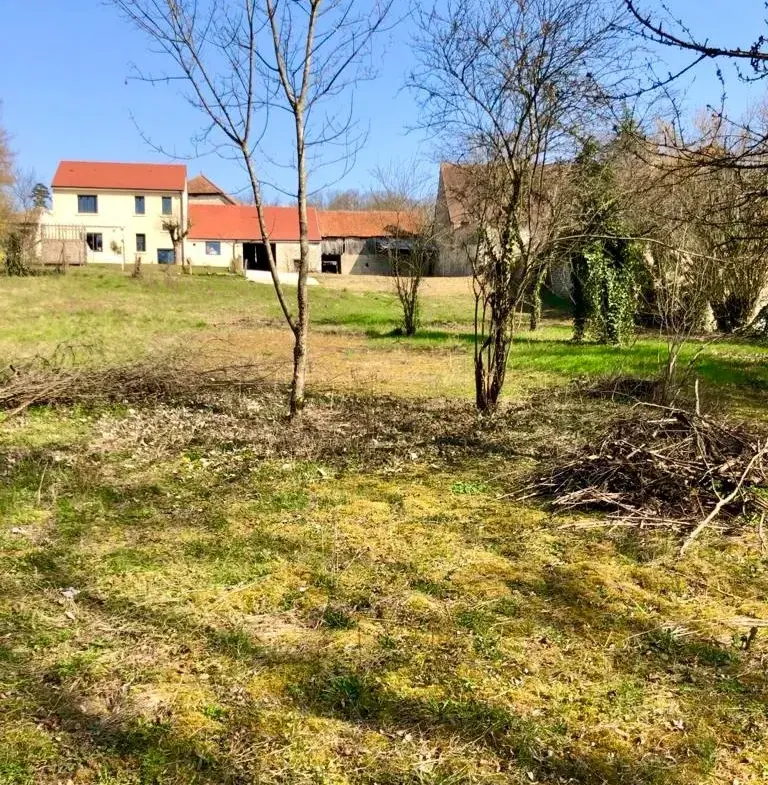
<point>138,205</point>
<point>141,243</point>
<point>87,203</point>
<point>94,240</point>
<point>167,205</point>
<point>165,256</point>
<point>213,248</point>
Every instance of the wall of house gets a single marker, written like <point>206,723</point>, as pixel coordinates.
<point>117,221</point>
<point>358,255</point>
<point>287,255</point>
<point>208,199</point>
<point>195,250</point>
<point>365,264</point>
<point>452,259</point>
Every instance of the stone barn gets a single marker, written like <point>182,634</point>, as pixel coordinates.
<point>358,242</point>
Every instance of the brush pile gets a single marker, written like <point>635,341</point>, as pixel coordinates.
<point>661,466</point>
<point>56,381</point>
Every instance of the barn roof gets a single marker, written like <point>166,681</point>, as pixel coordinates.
<point>241,222</point>
<point>202,186</point>
<point>366,223</point>
<point>120,176</point>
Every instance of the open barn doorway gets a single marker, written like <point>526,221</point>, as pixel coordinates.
<point>255,256</point>
<point>331,263</point>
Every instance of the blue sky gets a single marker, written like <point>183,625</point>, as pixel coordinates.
<point>66,92</point>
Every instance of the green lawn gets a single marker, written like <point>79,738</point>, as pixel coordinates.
<point>194,594</point>
<point>109,317</point>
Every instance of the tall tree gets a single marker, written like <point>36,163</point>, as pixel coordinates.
<point>6,180</point>
<point>241,59</point>
<point>516,82</point>
<point>41,196</point>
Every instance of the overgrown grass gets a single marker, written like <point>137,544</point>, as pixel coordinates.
<point>190,595</point>
<point>194,614</point>
<point>118,318</point>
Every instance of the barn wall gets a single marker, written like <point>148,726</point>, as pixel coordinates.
<point>365,264</point>
<point>452,259</point>
<point>288,255</point>
<point>358,255</point>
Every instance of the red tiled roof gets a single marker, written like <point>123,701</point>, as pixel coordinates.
<point>202,186</point>
<point>241,222</point>
<point>366,223</point>
<point>139,177</point>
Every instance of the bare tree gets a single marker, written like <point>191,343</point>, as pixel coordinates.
<point>732,225</point>
<point>411,247</point>
<point>349,199</point>
<point>516,82</point>
<point>667,30</point>
<point>177,232</point>
<point>21,236</point>
<point>677,270</point>
<point>653,21</point>
<point>6,181</point>
<point>240,59</point>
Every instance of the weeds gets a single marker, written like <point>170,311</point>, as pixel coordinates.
<point>353,602</point>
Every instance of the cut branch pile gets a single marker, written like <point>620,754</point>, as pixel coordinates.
<point>50,381</point>
<point>663,467</point>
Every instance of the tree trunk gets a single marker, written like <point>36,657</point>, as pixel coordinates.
<point>669,374</point>
<point>580,305</point>
<point>490,367</point>
<point>536,304</point>
<point>301,331</point>
<point>178,262</point>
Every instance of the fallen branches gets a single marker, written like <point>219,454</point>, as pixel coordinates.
<point>724,501</point>
<point>662,466</point>
<point>54,381</point>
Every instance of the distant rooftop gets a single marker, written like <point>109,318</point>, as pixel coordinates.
<point>366,223</point>
<point>202,186</point>
<point>241,222</point>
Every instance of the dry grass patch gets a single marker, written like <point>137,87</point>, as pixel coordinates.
<point>199,594</point>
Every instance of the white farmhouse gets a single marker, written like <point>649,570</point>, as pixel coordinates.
<point>114,213</point>
<point>110,212</point>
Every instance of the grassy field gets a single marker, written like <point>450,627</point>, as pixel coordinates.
<point>204,594</point>
<point>105,316</point>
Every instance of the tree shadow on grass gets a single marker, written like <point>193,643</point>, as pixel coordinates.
<point>354,686</point>
<point>331,684</point>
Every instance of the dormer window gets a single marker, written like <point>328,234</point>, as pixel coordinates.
<point>87,203</point>
<point>139,206</point>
